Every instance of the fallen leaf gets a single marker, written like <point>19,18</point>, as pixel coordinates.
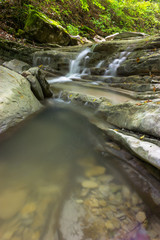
<point>147,101</point>
<point>40,66</point>
<point>138,104</point>
<point>138,60</point>
<point>157,102</point>
<point>94,100</point>
<point>70,95</point>
<point>116,130</point>
<point>142,137</point>
<point>154,89</point>
<point>152,75</point>
<point>21,96</point>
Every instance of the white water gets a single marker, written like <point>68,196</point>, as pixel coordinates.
<point>99,64</point>
<point>76,69</point>
<point>41,61</point>
<point>112,68</point>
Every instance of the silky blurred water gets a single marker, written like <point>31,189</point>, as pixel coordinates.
<point>44,165</point>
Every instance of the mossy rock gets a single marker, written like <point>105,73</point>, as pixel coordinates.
<point>42,29</point>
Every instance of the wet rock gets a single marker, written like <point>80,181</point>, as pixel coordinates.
<point>28,209</point>
<point>11,202</point>
<point>129,35</point>
<point>79,201</point>
<point>89,184</point>
<point>102,203</point>
<point>147,151</point>
<point>109,225</point>
<point>97,71</point>
<point>125,35</point>
<point>141,117</point>
<point>126,192</point>
<point>141,217</point>
<point>44,84</point>
<point>146,66</point>
<point>17,65</point>
<point>106,178</point>
<point>98,39</point>
<point>104,190</point>
<point>87,162</point>
<point>95,171</point>
<point>10,50</point>
<point>84,192</point>
<point>16,99</point>
<point>35,86</point>
<point>91,202</point>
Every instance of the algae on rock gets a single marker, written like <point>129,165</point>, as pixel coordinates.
<point>42,29</point>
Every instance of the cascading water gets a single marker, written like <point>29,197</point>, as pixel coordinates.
<point>41,61</point>
<point>100,64</point>
<point>112,68</point>
<point>76,68</point>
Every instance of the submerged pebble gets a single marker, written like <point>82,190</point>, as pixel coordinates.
<point>141,217</point>
<point>11,202</point>
<point>95,171</point>
<point>89,184</point>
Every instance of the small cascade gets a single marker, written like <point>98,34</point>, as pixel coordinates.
<point>41,61</point>
<point>100,64</point>
<point>112,68</point>
<point>76,69</point>
<point>75,66</point>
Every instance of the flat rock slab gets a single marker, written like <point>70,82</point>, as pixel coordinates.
<point>16,98</point>
<point>17,65</point>
<point>147,151</point>
<point>143,117</point>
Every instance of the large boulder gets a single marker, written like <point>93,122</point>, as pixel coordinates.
<point>16,99</point>
<point>42,29</point>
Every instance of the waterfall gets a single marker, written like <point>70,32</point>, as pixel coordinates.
<point>76,68</point>
<point>112,68</point>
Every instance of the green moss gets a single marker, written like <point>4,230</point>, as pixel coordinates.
<point>34,17</point>
<point>87,29</point>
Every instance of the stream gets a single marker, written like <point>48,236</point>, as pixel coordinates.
<point>55,183</point>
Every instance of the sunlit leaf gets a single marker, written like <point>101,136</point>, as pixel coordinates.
<point>147,101</point>
<point>142,137</point>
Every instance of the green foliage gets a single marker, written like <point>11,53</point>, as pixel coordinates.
<point>72,29</point>
<point>90,17</point>
<point>85,4</point>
